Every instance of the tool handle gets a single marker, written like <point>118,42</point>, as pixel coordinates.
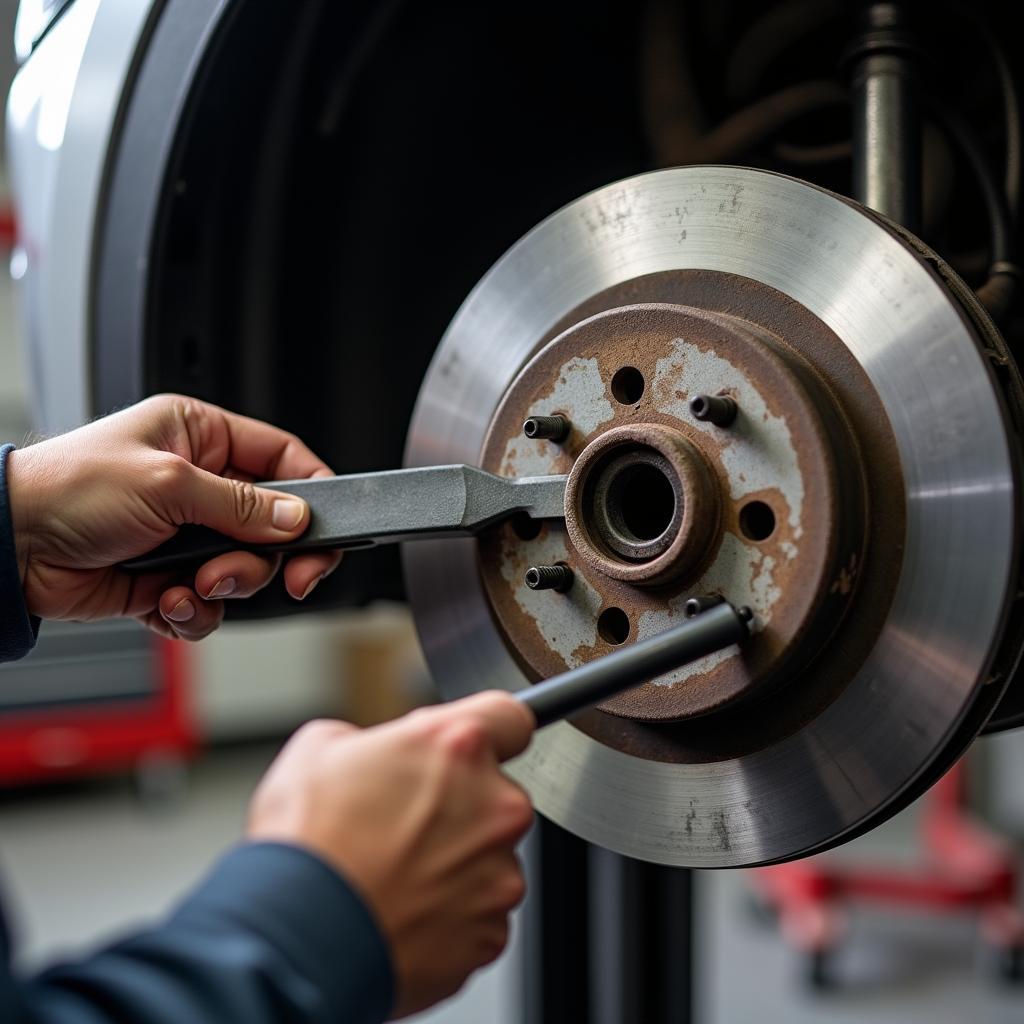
<point>564,695</point>
<point>193,545</point>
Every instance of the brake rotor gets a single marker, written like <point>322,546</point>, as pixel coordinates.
<point>862,502</point>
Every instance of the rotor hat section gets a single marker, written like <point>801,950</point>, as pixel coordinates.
<point>664,507</point>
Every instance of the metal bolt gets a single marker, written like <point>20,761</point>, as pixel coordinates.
<point>718,409</point>
<point>549,577</point>
<point>696,605</point>
<point>551,428</point>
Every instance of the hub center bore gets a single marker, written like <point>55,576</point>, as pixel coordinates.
<point>642,505</point>
<point>636,505</point>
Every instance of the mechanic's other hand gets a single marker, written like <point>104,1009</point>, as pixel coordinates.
<point>115,489</point>
<point>418,817</point>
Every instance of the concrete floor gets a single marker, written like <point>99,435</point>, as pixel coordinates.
<point>893,968</point>
<point>82,864</point>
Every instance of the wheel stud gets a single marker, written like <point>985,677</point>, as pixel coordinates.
<point>717,409</point>
<point>696,605</point>
<point>549,577</point>
<point>550,428</point>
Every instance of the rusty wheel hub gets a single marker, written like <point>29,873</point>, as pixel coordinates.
<point>662,507</point>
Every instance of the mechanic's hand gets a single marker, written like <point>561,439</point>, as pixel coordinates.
<point>418,817</point>
<point>85,501</point>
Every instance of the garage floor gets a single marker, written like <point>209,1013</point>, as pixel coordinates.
<point>894,968</point>
<point>83,864</point>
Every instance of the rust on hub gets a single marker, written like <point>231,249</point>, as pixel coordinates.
<point>663,507</point>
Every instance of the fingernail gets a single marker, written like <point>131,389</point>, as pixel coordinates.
<point>182,611</point>
<point>224,588</point>
<point>287,514</point>
<point>309,590</point>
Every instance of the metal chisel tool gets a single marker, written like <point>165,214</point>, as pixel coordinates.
<point>362,510</point>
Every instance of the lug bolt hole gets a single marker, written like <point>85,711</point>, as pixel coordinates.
<point>524,527</point>
<point>628,385</point>
<point>757,521</point>
<point>613,626</point>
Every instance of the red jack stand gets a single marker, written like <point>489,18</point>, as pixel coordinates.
<point>963,868</point>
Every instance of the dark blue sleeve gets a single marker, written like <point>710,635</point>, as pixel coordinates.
<point>17,629</point>
<point>274,936</point>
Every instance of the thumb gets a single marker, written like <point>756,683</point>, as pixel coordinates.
<point>242,510</point>
<point>508,723</point>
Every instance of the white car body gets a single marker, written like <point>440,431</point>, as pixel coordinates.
<point>61,114</point>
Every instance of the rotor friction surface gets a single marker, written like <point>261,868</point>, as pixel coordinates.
<point>889,728</point>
